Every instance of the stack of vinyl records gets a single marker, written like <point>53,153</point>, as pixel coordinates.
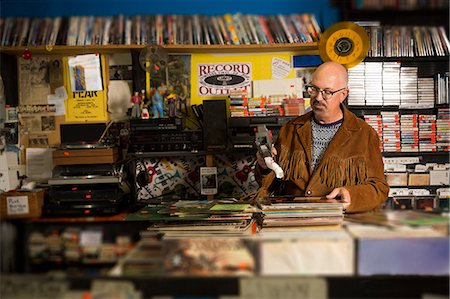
<point>426,95</point>
<point>373,73</point>
<point>427,133</point>
<point>204,217</point>
<point>391,131</point>
<point>410,133</point>
<point>391,83</point>
<point>302,213</point>
<point>376,122</point>
<point>443,129</point>
<point>357,96</point>
<point>408,86</point>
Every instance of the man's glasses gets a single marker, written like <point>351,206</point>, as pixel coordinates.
<point>326,94</point>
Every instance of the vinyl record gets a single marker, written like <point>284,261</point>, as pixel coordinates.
<point>345,43</point>
<point>224,80</point>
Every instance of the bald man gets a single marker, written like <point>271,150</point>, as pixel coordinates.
<point>328,151</point>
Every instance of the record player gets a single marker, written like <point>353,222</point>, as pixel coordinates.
<point>85,190</point>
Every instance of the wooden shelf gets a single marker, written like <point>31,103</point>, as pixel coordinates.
<point>304,48</point>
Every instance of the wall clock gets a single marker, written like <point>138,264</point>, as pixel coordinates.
<point>345,43</point>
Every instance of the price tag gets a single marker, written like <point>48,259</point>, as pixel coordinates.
<point>283,287</point>
<point>17,205</point>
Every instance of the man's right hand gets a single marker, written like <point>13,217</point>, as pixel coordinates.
<point>260,158</point>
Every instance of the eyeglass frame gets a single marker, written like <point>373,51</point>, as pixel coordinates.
<point>322,91</point>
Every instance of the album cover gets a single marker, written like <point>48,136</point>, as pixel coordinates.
<point>208,179</point>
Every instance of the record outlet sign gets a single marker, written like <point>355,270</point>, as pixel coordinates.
<point>216,79</point>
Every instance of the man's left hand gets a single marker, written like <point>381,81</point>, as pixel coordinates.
<point>341,194</point>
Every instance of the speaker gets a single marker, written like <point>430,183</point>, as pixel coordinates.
<point>215,125</point>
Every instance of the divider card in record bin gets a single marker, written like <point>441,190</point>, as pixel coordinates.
<point>21,204</point>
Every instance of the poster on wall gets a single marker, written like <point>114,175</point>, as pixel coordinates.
<point>176,77</point>
<point>34,85</point>
<point>89,105</point>
<point>216,79</point>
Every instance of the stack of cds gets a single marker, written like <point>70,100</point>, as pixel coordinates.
<point>443,129</point>
<point>391,131</point>
<point>442,84</point>
<point>410,133</point>
<point>408,86</point>
<point>375,121</point>
<point>274,106</point>
<point>373,83</point>
<point>256,107</point>
<point>427,129</point>
<point>293,107</point>
<point>426,95</point>
<point>391,83</point>
<point>238,103</point>
<point>357,95</point>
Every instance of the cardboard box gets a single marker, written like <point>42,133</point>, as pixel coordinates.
<point>85,156</point>
<point>397,179</point>
<point>439,177</point>
<point>419,179</point>
<point>21,204</point>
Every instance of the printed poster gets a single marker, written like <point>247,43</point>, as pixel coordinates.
<point>88,105</point>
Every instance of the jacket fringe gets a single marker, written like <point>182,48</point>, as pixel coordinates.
<point>294,163</point>
<point>336,172</point>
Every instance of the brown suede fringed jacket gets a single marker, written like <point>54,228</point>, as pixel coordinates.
<point>352,160</point>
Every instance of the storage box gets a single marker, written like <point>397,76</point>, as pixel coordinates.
<point>21,204</point>
<point>439,177</point>
<point>397,179</point>
<point>85,156</point>
<point>419,179</point>
<point>400,250</point>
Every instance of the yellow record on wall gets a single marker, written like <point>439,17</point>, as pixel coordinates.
<point>345,43</point>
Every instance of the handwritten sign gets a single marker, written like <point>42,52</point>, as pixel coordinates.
<point>283,287</point>
<point>17,205</point>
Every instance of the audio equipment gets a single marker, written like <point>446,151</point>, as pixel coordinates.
<point>215,125</point>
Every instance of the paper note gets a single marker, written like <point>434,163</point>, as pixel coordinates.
<point>280,68</point>
<point>85,72</point>
<point>17,205</point>
<point>39,163</point>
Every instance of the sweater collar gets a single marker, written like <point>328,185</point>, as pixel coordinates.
<point>350,120</point>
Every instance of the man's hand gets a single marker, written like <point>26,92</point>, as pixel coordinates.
<point>341,194</point>
<point>260,158</point>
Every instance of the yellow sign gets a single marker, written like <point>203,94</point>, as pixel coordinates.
<point>215,69</point>
<point>87,105</point>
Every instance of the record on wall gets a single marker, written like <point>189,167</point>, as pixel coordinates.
<point>344,42</point>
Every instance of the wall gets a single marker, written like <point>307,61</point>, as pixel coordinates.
<point>325,14</point>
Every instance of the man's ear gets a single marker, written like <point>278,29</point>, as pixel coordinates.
<point>345,94</point>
